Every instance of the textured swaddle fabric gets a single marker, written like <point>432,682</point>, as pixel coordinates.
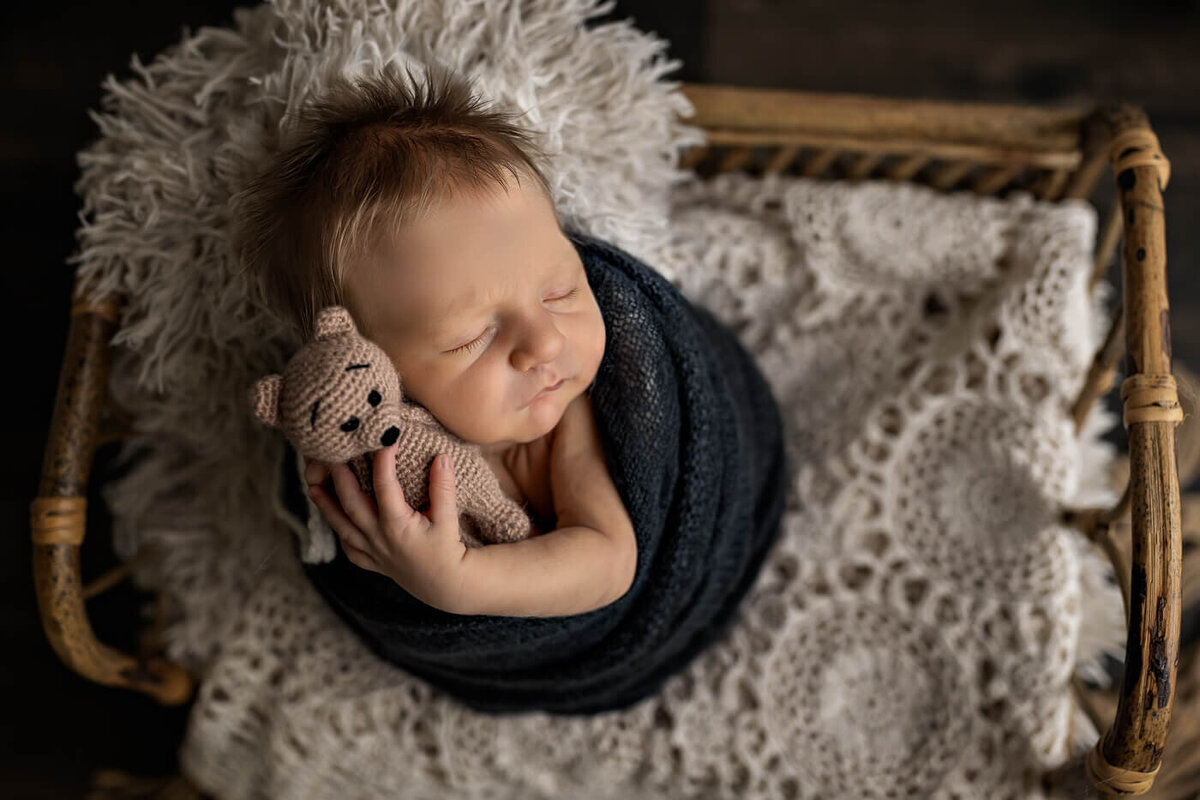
<point>694,443</point>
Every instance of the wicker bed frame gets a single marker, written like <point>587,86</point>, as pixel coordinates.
<point>989,149</point>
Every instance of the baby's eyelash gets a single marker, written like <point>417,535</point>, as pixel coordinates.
<point>474,344</point>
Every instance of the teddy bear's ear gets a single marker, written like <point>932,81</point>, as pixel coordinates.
<point>332,321</point>
<point>264,399</point>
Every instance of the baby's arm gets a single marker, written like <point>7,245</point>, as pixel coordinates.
<point>586,563</point>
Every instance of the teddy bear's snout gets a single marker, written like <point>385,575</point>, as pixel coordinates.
<point>381,427</point>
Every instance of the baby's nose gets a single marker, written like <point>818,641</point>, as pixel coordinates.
<point>389,436</point>
<point>541,344</point>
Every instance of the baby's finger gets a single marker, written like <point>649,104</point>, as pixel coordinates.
<point>443,507</point>
<point>360,558</point>
<point>315,472</point>
<point>337,519</point>
<point>353,537</point>
<point>358,507</point>
<point>389,495</point>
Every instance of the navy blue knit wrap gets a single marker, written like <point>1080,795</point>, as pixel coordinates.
<point>694,443</point>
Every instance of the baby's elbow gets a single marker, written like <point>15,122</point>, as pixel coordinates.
<point>624,565</point>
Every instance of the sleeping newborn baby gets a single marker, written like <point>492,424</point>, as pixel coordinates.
<point>427,217</point>
<point>638,432</point>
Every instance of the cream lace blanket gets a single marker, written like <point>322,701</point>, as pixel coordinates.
<point>915,629</point>
<point>917,626</point>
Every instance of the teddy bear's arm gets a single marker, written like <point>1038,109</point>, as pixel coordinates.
<point>499,517</point>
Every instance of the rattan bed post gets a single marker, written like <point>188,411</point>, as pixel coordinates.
<point>58,514</point>
<point>1128,755</point>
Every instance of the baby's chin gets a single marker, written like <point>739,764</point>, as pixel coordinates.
<point>534,421</point>
<point>543,414</point>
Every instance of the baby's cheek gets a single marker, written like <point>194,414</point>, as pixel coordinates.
<point>480,403</point>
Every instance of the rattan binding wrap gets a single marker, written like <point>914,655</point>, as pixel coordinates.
<point>58,520</point>
<point>1151,398</point>
<point>1116,780</point>
<point>1138,147</point>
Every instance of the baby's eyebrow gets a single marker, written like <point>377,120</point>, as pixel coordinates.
<point>477,299</point>
<point>474,301</point>
<point>452,323</point>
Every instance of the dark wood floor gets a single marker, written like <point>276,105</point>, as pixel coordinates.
<point>56,727</point>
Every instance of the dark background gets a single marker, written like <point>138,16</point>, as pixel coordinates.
<point>57,727</point>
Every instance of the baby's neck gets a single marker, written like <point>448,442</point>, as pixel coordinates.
<point>499,451</point>
<point>495,450</point>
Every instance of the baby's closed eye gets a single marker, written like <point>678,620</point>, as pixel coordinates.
<point>484,338</point>
<point>476,343</point>
<point>574,292</point>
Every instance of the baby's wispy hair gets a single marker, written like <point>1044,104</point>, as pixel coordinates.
<point>363,159</point>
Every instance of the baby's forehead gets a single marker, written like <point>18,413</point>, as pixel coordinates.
<point>404,303</point>
<point>434,277</point>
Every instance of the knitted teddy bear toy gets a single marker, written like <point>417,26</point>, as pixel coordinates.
<point>340,397</point>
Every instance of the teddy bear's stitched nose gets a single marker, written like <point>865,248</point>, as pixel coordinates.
<point>390,435</point>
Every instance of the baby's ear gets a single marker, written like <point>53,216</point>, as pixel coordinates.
<point>332,321</point>
<point>264,399</point>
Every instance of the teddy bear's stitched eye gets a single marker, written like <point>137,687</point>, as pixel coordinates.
<point>350,424</point>
<point>374,398</point>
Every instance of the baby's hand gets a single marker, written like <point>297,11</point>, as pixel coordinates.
<point>422,553</point>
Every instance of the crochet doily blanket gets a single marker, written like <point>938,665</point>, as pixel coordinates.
<point>915,629</point>
<point>913,632</point>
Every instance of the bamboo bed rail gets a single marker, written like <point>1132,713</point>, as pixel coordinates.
<point>1129,754</point>
<point>58,516</point>
<point>989,149</point>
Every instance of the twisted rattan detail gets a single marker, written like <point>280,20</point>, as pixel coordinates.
<point>1151,398</point>
<point>1116,780</point>
<point>58,520</point>
<point>1138,147</point>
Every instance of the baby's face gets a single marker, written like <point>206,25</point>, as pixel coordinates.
<point>482,306</point>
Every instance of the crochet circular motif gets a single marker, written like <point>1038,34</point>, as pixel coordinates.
<point>882,707</point>
<point>877,235</point>
<point>967,500</point>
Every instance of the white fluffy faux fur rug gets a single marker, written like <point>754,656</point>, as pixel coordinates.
<point>915,629</point>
